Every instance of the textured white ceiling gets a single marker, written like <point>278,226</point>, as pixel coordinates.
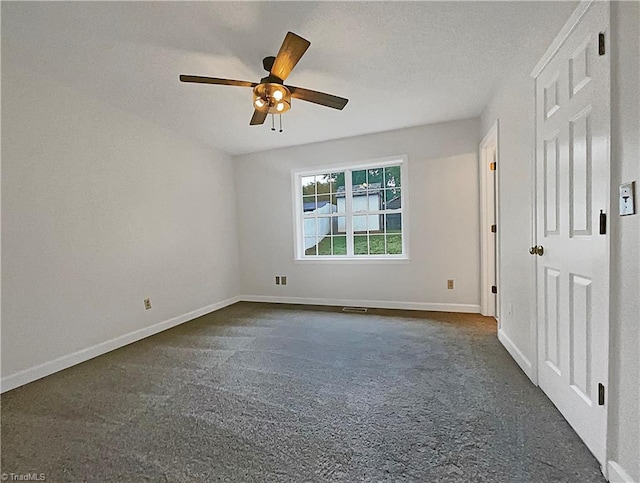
<point>400,64</point>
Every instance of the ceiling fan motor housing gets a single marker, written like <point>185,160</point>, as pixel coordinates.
<point>272,98</point>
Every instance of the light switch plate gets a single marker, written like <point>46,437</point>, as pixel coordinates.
<point>627,199</point>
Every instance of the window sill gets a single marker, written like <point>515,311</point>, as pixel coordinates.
<point>352,260</point>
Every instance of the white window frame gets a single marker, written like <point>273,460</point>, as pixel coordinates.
<point>298,215</point>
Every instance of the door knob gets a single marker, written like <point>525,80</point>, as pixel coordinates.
<point>537,250</point>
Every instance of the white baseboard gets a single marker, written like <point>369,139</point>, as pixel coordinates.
<point>517,354</point>
<point>616,474</point>
<point>376,304</point>
<point>37,372</point>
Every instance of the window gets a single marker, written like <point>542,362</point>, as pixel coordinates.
<point>352,213</point>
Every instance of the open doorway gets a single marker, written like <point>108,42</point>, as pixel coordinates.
<point>488,224</point>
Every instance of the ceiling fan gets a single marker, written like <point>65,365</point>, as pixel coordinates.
<point>271,95</point>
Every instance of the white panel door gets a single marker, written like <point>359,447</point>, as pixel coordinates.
<point>572,186</point>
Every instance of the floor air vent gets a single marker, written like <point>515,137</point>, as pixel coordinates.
<point>357,310</point>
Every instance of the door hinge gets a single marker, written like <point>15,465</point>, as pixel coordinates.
<point>603,223</point>
<point>494,228</point>
<point>601,44</point>
<point>600,395</point>
<point>494,289</point>
<point>492,166</point>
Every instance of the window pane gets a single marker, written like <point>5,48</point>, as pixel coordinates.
<point>375,202</point>
<point>308,203</point>
<point>374,177</point>
<point>324,247</point>
<point>376,244</point>
<point>338,198</point>
<point>341,225</point>
<point>310,227</point>
<point>392,177</point>
<point>360,201</point>
<point>340,245</point>
<point>333,229</point>
<point>308,185</point>
<point>359,177</point>
<point>392,199</point>
<point>337,182</point>
<point>394,243</point>
<point>310,247</point>
<point>360,223</point>
<point>360,245</point>
<point>324,226</point>
<point>323,184</point>
<point>393,222</point>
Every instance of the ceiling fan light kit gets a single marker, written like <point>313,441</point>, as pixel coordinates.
<point>271,96</point>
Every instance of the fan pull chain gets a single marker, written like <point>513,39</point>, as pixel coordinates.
<point>273,128</point>
<point>280,122</point>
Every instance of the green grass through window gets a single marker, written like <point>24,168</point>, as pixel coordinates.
<point>361,246</point>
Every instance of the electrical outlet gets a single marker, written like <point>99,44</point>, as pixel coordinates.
<point>283,278</point>
<point>147,304</point>
<point>277,279</point>
<point>450,284</point>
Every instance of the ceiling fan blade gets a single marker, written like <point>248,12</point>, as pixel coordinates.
<point>258,118</point>
<point>292,49</point>
<point>316,97</point>
<point>214,80</point>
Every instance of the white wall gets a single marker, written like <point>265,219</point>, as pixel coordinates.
<point>443,204</point>
<point>101,209</point>
<point>513,105</point>
<point>624,380</point>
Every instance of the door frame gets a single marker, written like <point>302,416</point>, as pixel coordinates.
<point>489,242</point>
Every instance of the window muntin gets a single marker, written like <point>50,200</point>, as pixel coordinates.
<point>352,213</point>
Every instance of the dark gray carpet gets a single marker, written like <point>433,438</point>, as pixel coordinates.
<point>260,392</point>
